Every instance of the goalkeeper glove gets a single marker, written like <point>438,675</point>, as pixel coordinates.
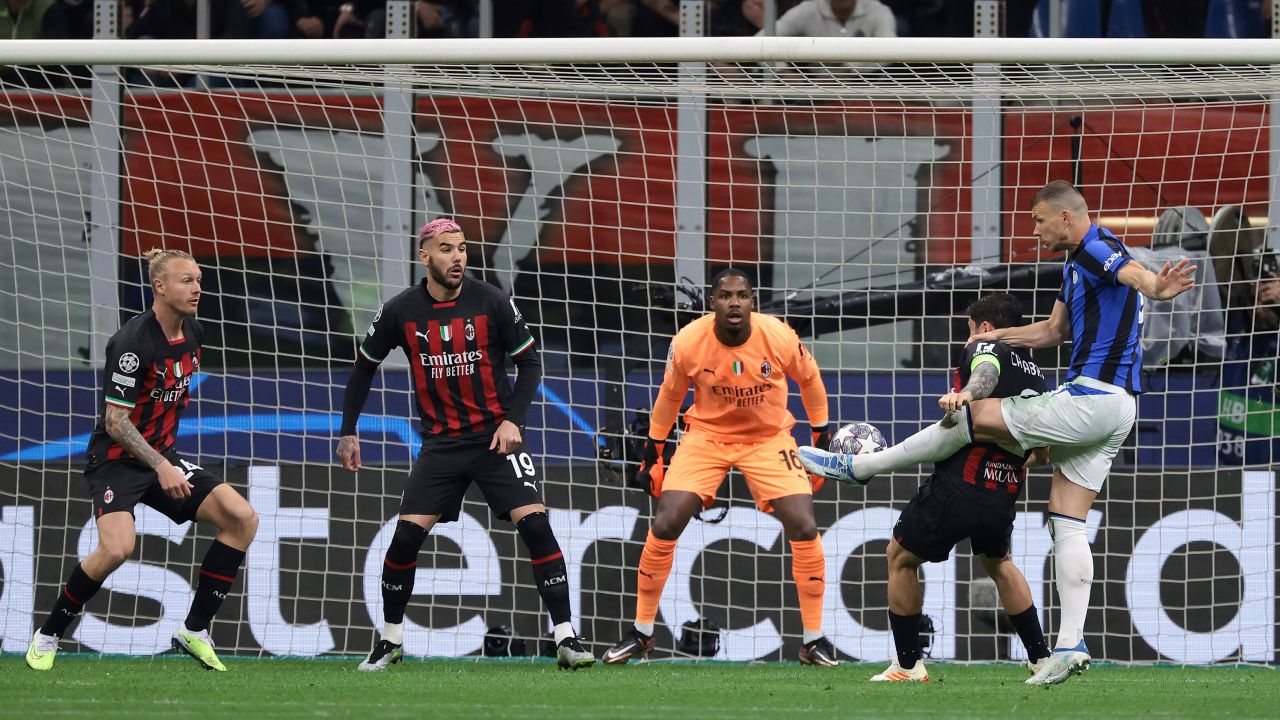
<point>652,466</point>
<point>822,441</point>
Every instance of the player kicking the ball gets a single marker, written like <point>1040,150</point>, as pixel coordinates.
<point>1084,421</point>
<point>150,363</point>
<point>971,494</point>
<point>738,362</point>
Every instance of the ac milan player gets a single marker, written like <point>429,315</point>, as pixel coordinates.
<point>457,333</point>
<point>132,459</point>
<point>971,494</point>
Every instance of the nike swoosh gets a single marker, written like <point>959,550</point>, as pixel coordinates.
<point>610,654</point>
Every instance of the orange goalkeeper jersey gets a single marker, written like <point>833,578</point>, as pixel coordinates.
<point>740,393</point>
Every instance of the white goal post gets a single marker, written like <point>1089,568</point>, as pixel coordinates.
<point>871,187</point>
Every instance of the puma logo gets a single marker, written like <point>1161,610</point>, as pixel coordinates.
<point>648,575</point>
<point>708,370</point>
<point>531,486</point>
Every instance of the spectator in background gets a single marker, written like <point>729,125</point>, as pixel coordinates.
<point>432,19</point>
<point>838,18</point>
<point>1175,18</point>
<point>23,19</point>
<point>1189,328</point>
<point>933,18</point>
<point>69,20</point>
<point>176,19</point>
<point>541,18</point>
<point>1249,285</point>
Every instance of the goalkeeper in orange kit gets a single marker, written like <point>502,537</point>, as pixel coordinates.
<point>738,362</point>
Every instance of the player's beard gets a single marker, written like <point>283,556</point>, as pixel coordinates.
<point>442,278</point>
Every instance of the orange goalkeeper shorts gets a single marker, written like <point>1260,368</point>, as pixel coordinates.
<point>771,467</point>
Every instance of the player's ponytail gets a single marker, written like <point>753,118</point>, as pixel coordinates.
<point>158,260</point>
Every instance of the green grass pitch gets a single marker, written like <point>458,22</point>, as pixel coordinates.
<point>169,687</point>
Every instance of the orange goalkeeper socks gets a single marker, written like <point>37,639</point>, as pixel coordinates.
<point>655,566</point>
<point>808,569</point>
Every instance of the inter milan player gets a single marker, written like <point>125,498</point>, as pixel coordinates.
<point>738,362</point>
<point>970,495</point>
<point>457,333</point>
<point>1084,421</point>
<point>132,459</point>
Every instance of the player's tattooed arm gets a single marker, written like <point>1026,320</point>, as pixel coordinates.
<point>122,430</point>
<point>982,381</point>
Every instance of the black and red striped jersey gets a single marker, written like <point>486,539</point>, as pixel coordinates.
<point>148,374</point>
<point>987,472</point>
<point>458,354</point>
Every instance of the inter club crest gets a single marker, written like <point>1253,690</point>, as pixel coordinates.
<point>766,369</point>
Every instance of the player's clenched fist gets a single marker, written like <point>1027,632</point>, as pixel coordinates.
<point>651,465</point>
<point>953,401</point>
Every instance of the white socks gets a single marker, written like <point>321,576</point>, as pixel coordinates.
<point>1073,567</point>
<point>810,637</point>
<point>931,444</point>
<point>645,629</point>
<point>393,633</point>
<point>562,631</point>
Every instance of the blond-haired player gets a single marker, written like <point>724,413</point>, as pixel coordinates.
<point>738,362</point>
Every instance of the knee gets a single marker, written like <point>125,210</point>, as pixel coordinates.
<point>247,520</point>
<point>665,527</point>
<point>240,520</point>
<point>803,531</point>
<point>114,554</point>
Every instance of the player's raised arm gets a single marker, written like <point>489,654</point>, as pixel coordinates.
<point>1054,330</point>
<point>1170,282</point>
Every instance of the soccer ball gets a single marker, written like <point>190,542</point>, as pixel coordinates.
<point>857,439</point>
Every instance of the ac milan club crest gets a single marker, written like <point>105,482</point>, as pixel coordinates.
<point>470,331</point>
<point>108,496</point>
<point>766,369</point>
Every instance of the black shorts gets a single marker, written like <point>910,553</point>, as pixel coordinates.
<point>119,485</point>
<point>441,476</point>
<point>937,518</point>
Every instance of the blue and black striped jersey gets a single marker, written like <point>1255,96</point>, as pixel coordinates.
<point>1105,315</point>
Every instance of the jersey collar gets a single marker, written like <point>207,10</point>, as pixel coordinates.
<point>1089,236</point>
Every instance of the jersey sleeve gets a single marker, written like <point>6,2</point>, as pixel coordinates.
<point>977,353</point>
<point>383,335</point>
<point>128,362</point>
<point>515,334</point>
<point>1103,260</point>
<point>675,384</point>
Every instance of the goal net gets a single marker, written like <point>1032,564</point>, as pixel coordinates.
<point>871,189</point>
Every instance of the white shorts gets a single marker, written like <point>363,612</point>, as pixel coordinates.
<point>1084,423</point>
